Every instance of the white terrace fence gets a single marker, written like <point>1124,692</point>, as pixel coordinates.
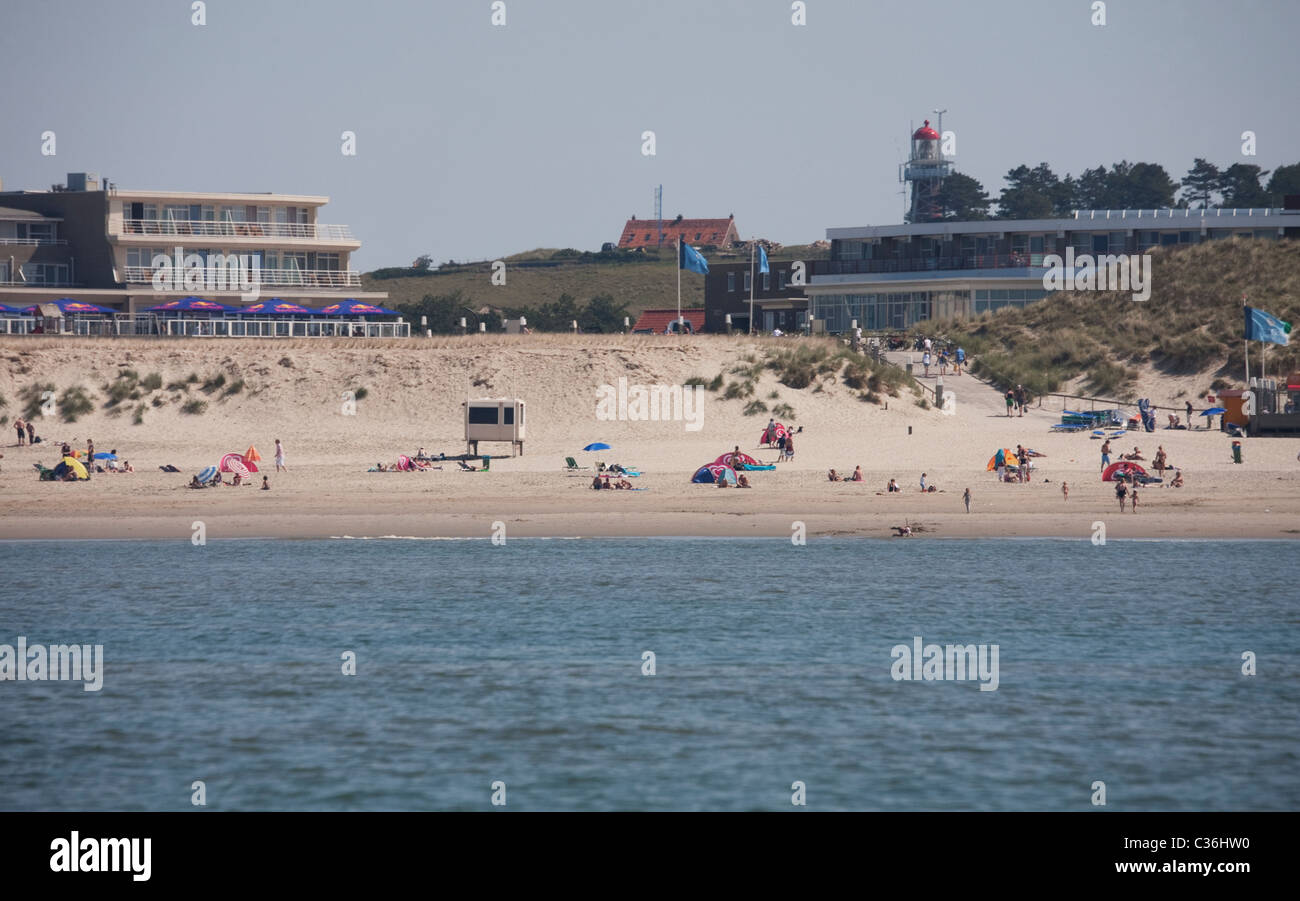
<point>148,325</point>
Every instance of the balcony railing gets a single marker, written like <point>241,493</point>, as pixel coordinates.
<point>30,241</point>
<point>215,229</point>
<point>928,264</point>
<point>273,278</point>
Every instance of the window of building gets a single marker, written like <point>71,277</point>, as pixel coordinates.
<point>748,281</point>
<point>731,282</point>
<point>1019,243</point>
<point>1100,243</point>
<point>1168,238</point>
<point>1118,242</point>
<point>780,279</point>
<point>45,273</point>
<point>36,231</point>
<point>1036,244</point>
<point>767,281</point>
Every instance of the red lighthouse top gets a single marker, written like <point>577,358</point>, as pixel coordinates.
<point>925,133</point>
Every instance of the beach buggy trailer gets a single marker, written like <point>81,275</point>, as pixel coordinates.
<point>494,419</point>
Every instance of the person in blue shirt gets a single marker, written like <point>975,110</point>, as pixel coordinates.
<point>961,359</point>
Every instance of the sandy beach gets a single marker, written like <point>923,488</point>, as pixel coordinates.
<point>295,391</point>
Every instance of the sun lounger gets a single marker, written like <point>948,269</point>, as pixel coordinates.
<point>572,464</point>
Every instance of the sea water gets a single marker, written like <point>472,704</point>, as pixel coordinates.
<point>1166,670</point>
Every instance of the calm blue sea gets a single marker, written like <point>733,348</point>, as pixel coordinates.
<point>523,664</point>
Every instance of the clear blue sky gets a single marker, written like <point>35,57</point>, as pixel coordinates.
<point>475,141</point>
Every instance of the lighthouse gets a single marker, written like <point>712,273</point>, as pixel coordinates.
<point>925,171</point>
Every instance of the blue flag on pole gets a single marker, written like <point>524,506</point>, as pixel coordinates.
<point>1260,326</point>
<point>762,259</point>
<point>690,258</point>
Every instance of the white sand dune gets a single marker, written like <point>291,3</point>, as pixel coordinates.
<point>295,391</point>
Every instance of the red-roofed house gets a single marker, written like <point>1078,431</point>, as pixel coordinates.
<point>639,233</point>
<point>655,322</point>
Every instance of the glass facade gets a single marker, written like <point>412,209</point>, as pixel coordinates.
<point>904,309</point>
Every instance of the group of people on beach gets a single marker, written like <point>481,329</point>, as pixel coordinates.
<point>25,429</point>
<point>1017,399</point>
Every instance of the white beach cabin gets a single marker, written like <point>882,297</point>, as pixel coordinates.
<point>494,419</point>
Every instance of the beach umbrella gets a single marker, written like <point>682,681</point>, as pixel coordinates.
<point>275,306</point>
<point>68,305</point>
<point>352,307</point>
<point>1214,411</point>
<point>5,308</point>
<point>208,474</point>
<point>251,455</point>
<point>105,455</point>
<point>237,464</point>
<point>76,466</point>
<point>599,445</point>
<point>191,305</point>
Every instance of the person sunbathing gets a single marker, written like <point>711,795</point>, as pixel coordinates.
<point>1178,480</point>
<point>722,483</point>
<point>903,531</point>
<point>857,474</point>
<point>625,484</point>
<point>596,483</point>
<point>1174,422</point>
<point>834,476</point>
<point>742,481</point>
<point>894,486</point>
<point>195,483</point>
<point>127,467</point>
<point>1136,455</point>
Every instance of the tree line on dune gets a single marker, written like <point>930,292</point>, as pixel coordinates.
<point>443,313</point>
<point>1039,193</point>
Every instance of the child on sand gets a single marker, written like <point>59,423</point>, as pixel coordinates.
<point>279,457</point>
<point>1065,490</point>
<point>1135,499</point>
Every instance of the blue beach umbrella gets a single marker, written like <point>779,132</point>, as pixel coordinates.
<point>599,445</point>
<point>1214,411</point>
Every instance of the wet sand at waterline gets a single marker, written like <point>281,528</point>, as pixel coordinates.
<point>413,391</point>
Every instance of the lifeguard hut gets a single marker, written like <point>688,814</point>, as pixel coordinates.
<point>494,419</point>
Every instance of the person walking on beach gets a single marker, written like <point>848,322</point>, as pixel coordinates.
<point>1135,498</point>
<point>1022,398</point>
<point>90,457</point>
<point>1011,401</point>
<point>961,359</point>
<point>279,457</point>
<point>1065,490</point>
<point>1105,454</point>
<point>1121,492</point>
<point>965,499</point>
<point>923,481</point>
<point>19,427</point>
<point>31,432</point>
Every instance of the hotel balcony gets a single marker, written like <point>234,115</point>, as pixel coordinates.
<point>269,278</point>
<point>30,241</point>
<point>259,232</point>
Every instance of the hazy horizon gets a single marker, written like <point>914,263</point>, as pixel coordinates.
<point>475,141</point>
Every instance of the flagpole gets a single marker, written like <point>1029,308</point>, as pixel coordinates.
<point>679,284</point>
<point>752,245</point>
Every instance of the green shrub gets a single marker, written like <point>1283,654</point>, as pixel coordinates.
<point>33,397</point>
<point>754,407</point>
<point>784,411</point>
<point>739,390</point>
<point>715,384</point>
<point>178,386</point>
<point>138,418</point>
<point>194,407</point>
<point>360,393</point>
<point>151,382</point>
<point>74,402</point>
<point>214,382</point>
<point>235,387</point>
